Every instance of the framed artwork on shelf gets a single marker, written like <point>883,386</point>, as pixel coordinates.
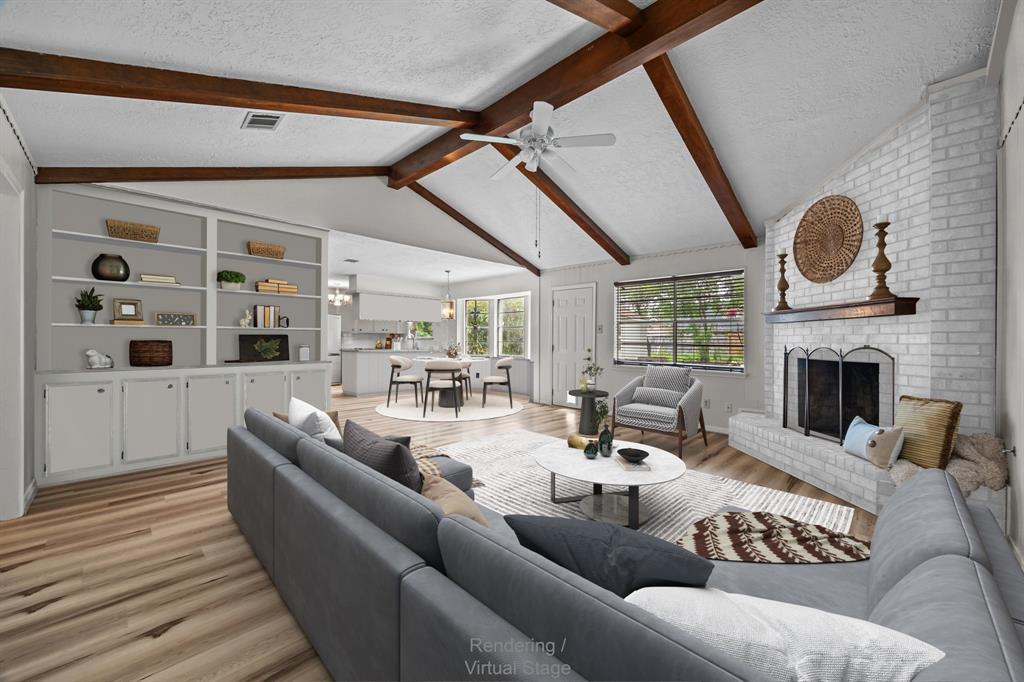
<point>165,319</point>
<point>128,309</point>
<point>262,347</point>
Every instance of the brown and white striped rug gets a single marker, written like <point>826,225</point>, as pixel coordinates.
<point>763,538</point>
<point>510,482</point>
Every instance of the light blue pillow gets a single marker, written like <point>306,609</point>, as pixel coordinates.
<point>857,437</point>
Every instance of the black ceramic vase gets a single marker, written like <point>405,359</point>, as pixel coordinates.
<point>111,267</point>
<point>605,441</point>
<point>591,450</point>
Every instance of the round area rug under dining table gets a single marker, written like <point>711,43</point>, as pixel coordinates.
<point>472,410</point>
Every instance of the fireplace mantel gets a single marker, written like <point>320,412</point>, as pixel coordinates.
<point>884,307</point>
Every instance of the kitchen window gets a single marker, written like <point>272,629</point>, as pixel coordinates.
<point>688,320</point>
<point>421,330</point>
<point>478,328</point>
<point>512,326</point>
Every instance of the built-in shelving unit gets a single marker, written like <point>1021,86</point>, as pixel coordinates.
<point>115,241</point>
<point>79,325</point>
<point>285,261</point>
<point>265,293</point>
<point>144,285</point>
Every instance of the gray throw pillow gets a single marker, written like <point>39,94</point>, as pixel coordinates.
<point>657,396</point>
<point>339,443</point>
<point>392,459</point>
<point>618,559</point>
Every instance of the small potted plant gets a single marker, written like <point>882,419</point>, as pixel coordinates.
<point>591,371</point>
<point>229,279</point>
<point>88,304</point>
<point>453,351</point>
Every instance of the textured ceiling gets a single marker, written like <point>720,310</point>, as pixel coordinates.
<point>787,91</point>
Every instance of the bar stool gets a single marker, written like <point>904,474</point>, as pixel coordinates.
<point>398,365</point>
<point>450,385</point>
<point>502,364</point>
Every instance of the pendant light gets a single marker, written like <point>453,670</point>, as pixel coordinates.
<point>448,305</point>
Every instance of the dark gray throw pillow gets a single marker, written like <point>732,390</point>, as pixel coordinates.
<point>339,443</point>
<point>618,559</point>
<point>392,459</point>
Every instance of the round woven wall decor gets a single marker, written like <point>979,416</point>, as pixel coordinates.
<point>828,238</point>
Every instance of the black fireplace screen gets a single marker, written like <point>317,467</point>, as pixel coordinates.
<point>824,390</point>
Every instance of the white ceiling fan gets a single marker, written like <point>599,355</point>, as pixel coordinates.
<point>537,143</point>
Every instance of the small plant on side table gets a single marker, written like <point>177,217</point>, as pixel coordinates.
<point>600,413</point>
<point>591,371</point>
<point>88,304</point>
<point>229,279</point>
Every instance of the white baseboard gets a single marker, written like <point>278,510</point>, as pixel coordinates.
<point>30,494</point>
<point>724,430</point>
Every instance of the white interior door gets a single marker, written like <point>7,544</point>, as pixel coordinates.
<point>572,333</point>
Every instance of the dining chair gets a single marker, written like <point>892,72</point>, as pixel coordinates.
<point>498,380</point>
<point>399,365</point>
<point>449,371</point>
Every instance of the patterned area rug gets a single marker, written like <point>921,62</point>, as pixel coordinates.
<point>763,538</point>
<point>510,482</point>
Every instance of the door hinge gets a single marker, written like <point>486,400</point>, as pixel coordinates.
<point>44,398</point>
<point>187,383</point>
<point>44,468</point>
<point>188,446</point>
<point>122,455</point>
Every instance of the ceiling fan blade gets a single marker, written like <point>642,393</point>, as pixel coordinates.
<point>533,162</point>
<point>541,117</point>
<point>602,140</point>
<point>507,168</point>
<point>493,139</point>
<point>555,162</point>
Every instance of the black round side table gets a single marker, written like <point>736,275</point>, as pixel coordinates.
<point>587,398</point>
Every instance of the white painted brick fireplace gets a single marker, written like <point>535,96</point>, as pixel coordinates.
<point>934,175</point>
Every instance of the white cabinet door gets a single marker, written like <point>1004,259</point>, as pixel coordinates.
<point>310,386</point>
<point>211,410</point>
<point>79,426</point>
<point>152,418</point>
<point>266,391</point>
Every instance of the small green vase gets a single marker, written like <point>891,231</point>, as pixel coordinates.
<point>605,442</point>
<point>591,450</point>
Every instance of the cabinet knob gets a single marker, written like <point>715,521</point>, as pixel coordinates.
<point>101,390</point>
<point>170,385</point>
<point>298,378</point>
<point>227,382</point>
<point>252,381</point>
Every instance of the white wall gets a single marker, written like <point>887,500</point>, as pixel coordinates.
<point>17,347</point>
<point>1011,322</point>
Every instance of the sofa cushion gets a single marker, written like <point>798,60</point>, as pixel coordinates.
<point>455,472</point>
<point>596,632</point>
<point>312,420</point>
<point>658,416</point>
<point>451,500</point>
<point>672,378</point>
<point>394,460</point>
<point>953,604</point>
<point>926,517</point>
<point>618,559</point>
<point>657,396</point>
<point>403,514</point>
<point>279,435</point>
<point>838,588</point>
<point>929,429</point>
<point>1003,564</point>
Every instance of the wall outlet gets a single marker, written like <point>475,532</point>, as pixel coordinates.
<point>707,404</point>
<point>728,408</point>
<point>600,329</point>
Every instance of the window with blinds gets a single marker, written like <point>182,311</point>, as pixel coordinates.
<point>689,320</point>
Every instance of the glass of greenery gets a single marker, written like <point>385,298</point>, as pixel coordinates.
<point>229,279</point>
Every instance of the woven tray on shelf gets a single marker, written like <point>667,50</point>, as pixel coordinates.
<point>265,249</point>
<point>150,353</point>
<point>134,231</point>
<point>828,238</point>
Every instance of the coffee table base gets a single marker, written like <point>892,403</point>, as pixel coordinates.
<point>615,508</point>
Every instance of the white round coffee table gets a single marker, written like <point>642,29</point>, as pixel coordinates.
<point>625,510</point>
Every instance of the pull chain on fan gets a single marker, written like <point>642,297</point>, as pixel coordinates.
<point>536,236</point>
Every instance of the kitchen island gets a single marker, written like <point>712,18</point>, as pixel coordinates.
<point>366,371</point>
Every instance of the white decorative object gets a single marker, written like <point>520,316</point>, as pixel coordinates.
<point>97,360</point>
<point>304,353</point>
<point>311,420</point>
<point>784,641</point>
<point>246,320</point>
<point>87,316</point>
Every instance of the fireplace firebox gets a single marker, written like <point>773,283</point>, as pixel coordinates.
<point>824,390</point>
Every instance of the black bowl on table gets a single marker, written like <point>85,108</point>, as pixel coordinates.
<point>632,455</point>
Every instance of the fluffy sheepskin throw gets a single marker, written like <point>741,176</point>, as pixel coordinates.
<point>978,460</point>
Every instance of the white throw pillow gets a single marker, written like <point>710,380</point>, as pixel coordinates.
<point>785,641</point>
<point>311,420</point>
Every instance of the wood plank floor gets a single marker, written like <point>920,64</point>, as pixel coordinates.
<point>146,576</point>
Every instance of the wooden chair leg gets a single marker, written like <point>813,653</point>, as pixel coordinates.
<point>425,402</point>
<point>703,430</point>
<point>510,396</point>
<point>679,436</point>
<point>485,394</point>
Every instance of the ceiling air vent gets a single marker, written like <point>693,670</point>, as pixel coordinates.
<point>351,260</point>
<point>255,120</point>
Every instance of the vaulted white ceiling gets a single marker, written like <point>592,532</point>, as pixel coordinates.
<point>786,91</point>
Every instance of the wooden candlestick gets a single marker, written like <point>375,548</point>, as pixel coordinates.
<point>880,265</point>
<point>783,285</point>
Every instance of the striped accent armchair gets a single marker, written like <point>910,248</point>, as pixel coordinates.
<point>664,400</point>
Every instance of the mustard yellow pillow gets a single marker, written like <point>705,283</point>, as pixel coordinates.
<point>929,429</point>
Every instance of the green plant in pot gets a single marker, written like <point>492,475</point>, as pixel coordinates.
<point>88,303</point>
<point>591,371</point>
<point>229,279</point>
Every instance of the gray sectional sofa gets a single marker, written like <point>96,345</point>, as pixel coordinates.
<point>386,587</point>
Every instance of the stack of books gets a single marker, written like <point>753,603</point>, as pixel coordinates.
<point>159,279</point>
<point>266,316</point>
<point>276,286</point>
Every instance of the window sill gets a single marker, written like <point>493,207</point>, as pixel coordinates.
<point>699,371</point>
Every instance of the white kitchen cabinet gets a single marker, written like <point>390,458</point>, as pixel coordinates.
<point>266,391</point>
<point>79,427</point>
<point>212,409</point>
<point>151,418</point>
<point>308,386</point>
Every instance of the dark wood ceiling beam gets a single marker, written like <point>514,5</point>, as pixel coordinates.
<point>665,24</point>
<point>666,82</point>
<point>38,71</point>
<point>559,198</point>
<point>446,208</point>
<point>614,16</point>
<point>62,174</point>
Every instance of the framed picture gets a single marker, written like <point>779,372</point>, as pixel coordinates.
<point>127,309</point>
<point>176,319</point>
<point>262,347</point>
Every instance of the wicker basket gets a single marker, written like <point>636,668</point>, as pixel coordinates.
<point>266,249</point>
<point>150,353</point>
<point>135,231</point>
